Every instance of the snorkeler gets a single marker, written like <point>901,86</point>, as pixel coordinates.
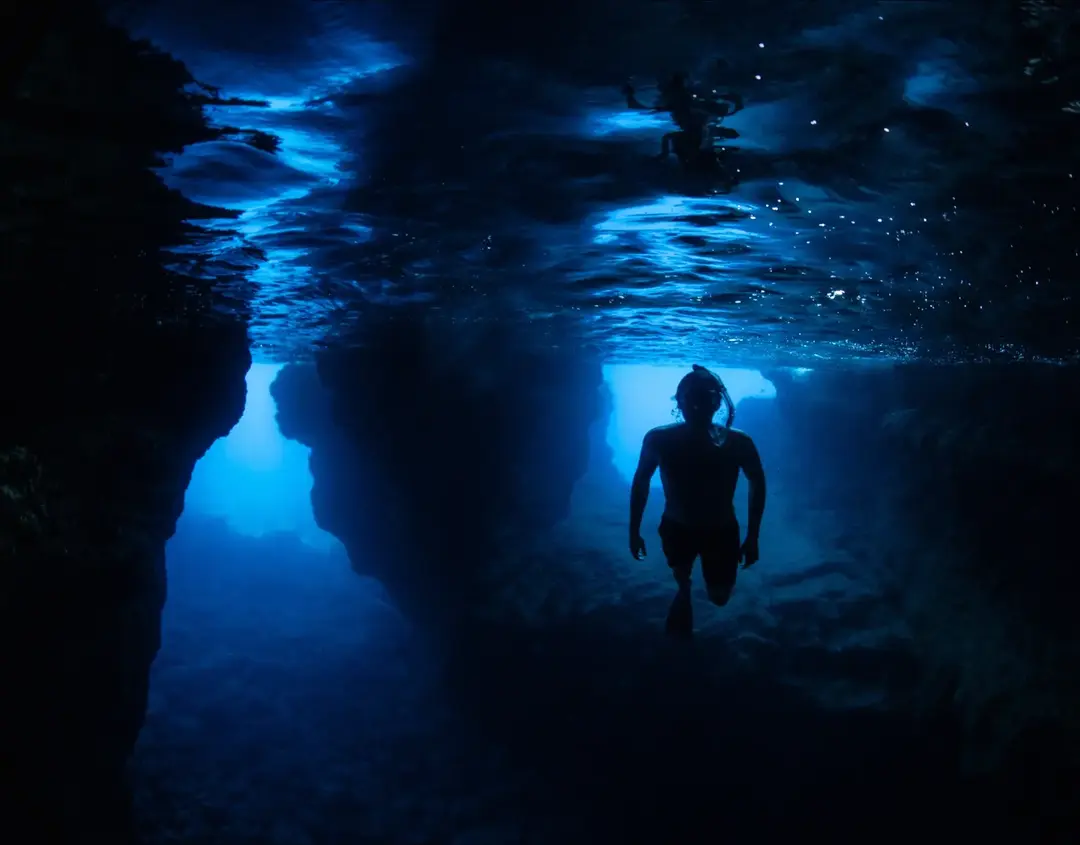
<point>699,464</point>
<point>697,117</point>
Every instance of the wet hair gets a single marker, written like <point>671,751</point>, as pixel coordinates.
<point>702,383</point>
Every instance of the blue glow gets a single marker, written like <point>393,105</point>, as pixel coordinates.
<point>656,216</point>
<point>254,478</point>
<point>610,123</point>
<point>272,190</point>
<point>692,242</point>
<point>938,80</point>
<point>643,398</point>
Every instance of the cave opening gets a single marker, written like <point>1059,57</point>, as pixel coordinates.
<point>270,646</point>
<point>643,396</point>
<point>254,479</point>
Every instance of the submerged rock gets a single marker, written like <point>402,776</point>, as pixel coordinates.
<point>468,443</point>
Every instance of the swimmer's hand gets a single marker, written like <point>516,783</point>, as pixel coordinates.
<point>637,546</point>
<point>748,554</point>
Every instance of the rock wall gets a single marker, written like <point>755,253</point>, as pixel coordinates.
<point>93,483</point>
<point>118,375</point>
<point>965,480</point>
<point>434,445</point>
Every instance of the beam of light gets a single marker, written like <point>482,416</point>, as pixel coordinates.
<point>254,478</point>
<point>643,398</point>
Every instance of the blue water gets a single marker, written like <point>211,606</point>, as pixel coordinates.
<point>254,479</point>
<point>421,163</point>
<point>292,703</point>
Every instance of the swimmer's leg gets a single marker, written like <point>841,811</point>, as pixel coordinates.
<point>720,562</point>
<point>680,617</point>
<point>680,549</point>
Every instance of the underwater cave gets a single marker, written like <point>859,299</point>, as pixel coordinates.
<point>338,336</point>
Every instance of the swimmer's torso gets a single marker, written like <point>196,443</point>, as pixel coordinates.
<point>699,471</point>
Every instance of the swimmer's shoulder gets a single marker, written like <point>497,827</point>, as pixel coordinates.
<point>739,437</point>
<point>742,444</point>
<point>662,435</point>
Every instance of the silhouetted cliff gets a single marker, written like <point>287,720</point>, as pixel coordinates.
<point>443,445</point>
<point>118,376</point>
<point>965,480</point>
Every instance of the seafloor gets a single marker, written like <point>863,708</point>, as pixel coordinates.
<point>292,704</point>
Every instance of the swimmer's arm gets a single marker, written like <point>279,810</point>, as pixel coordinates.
<point>639,488</point>
<point>750,463</point>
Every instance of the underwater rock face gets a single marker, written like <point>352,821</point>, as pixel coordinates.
<point>89,499</point>
<point>967,479</point>
<point>441,445</point>
<point>118,376</point>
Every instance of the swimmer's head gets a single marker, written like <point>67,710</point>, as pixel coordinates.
<point>700,395</point>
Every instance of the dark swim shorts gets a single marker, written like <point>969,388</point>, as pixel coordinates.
<point>718,547</point>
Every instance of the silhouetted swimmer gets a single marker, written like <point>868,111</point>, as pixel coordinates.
<point>696,116</point>
<point>699,464</point>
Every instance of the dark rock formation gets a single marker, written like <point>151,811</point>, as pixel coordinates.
<point>118,376</point>
<point>601,463</point>
<point>966,480</point>
<point>442,444</point>
<point>94,482</point>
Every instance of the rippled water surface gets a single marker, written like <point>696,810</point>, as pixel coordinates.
<point>900,192</point>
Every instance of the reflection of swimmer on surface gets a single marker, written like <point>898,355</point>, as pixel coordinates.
<point>698,118</point>
<point>699,463</point>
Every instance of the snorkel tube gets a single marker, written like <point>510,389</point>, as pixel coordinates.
<point>728,404</point>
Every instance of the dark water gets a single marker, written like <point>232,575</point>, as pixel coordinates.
<point>292,704</point>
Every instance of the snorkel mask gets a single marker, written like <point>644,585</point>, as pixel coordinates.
<point>701,392</point>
